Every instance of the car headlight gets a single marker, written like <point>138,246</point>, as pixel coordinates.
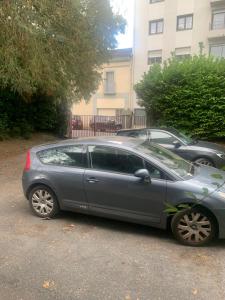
<point>221,155</point>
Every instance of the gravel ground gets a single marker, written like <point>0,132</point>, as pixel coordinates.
<point>82,257</point>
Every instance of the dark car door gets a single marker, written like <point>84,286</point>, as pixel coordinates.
<point>64,168</point>
<point>112,188</point>
<point>169,141</point>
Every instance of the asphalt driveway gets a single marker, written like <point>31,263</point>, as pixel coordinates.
<point>82,257</point>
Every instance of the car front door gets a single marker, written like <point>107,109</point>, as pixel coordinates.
<point>112,189</point>
<point>169,141</point>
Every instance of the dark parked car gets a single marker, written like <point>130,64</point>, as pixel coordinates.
<point>77,123</point>
<point>201,152</point>
<point>105,124</point>
<point>127,179</point>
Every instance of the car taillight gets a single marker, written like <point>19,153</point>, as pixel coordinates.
<point>28,162</point>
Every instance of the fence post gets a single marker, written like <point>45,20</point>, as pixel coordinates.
<point>70,127</point>
<point>94,127</point>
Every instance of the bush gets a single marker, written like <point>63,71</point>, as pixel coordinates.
<point>41,113</point>
<point>188,95</point>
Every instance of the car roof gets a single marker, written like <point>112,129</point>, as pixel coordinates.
<point>125,142</point>
<point>170,129</point>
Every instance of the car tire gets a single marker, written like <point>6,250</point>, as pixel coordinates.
<point>204,161</point>
<point>43,202</point>
<point>194,227</point>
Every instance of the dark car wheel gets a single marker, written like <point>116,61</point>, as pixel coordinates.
<point>204,161</point>
<point>43,202</point>
<point>193,227</point>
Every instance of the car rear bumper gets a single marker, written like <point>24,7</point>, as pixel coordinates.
<point>25,184</point>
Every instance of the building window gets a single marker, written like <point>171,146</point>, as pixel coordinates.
<point>154,57</point>
<point>218,50</point>
<point>109,87</point>
<point>184,22</point>
<point>156,26</point>
<point>218,20</point>
<point>183,56</point>
<point>183,53</point>
<point>155,1</point>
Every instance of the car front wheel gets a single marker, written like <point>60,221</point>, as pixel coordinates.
<point>204,161</point>
<point>43,202</point>
<point>193,227</point>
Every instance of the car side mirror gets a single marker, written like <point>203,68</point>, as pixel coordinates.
<point>177,144</point>
<point>143,174</point>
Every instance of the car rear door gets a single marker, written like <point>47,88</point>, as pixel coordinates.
<point>112,189</point>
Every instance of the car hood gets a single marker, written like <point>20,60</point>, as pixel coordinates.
<point>207,177</point>
<point>211,146</point>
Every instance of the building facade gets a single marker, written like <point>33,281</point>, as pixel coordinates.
<point>163,27</point>
<point>114,95</point>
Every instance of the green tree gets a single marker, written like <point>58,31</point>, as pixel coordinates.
<point>188,95</point>
<point>55,46</point>
<point>52,51</point>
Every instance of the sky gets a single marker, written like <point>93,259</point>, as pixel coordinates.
<point>125,8</point>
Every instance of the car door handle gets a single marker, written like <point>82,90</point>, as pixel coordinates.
<point>92,180</point>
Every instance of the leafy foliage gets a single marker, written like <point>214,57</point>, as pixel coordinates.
<point>55,47</point>
<point>51,55</point>
<point>20,118</point>
<point>188,95</point>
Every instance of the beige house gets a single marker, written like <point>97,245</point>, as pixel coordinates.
<point>114,95</point>
<point>162,27</point>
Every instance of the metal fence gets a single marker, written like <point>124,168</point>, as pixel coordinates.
<point>95,125</point>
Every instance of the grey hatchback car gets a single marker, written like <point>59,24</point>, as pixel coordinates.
<point>126,179</point>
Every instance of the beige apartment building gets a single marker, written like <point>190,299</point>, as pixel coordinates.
<point>162,27</point>
<point>114,95</point>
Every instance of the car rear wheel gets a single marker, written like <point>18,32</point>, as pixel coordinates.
<point>193,227</point>
<point>43,202</point>
<point>204,161</point>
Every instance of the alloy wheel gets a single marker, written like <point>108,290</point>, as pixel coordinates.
<point>42,202</point>
<point>204,161</point>
<point>194,227</point>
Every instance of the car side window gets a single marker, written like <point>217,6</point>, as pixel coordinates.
<point>114,160</point>
<point>154,172</point>
<point>141,134</point>
<point>71,156</point>
<point>161,137</point>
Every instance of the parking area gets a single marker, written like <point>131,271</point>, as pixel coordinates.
<point>83,257</point>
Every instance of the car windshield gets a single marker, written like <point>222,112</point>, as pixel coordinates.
<point>183,137</point>
<point>176,164</point>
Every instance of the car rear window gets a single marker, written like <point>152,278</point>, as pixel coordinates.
<point>71,156</point>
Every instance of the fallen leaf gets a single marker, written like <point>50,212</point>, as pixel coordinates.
<point>195,292</point>
<point>48,284</point>
<point>68,227</point>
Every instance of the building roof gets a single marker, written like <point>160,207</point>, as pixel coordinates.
<point>121,54</point>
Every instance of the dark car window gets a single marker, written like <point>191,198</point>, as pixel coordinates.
<point>161,137</point>
<point>141,134</point>
<point>154,172</point>
<point>114,160</point>
<point>64,156</point>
